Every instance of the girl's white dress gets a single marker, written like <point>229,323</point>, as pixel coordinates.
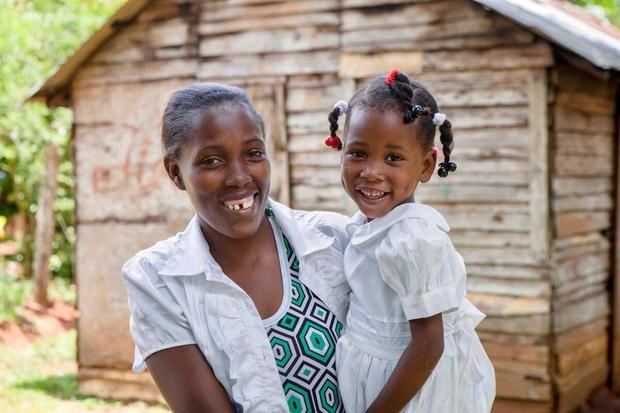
<point>401,267</point>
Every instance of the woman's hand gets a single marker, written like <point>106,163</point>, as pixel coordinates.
<point>414,366</point>
<point>187,381</point>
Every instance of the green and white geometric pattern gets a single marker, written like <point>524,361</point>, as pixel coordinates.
<point>304,346</point>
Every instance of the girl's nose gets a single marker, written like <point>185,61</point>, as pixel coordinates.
<point>237,175</point>
<point>371,173</point>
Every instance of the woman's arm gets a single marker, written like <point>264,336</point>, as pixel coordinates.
<point>414,366</point>
<point>187,381</point>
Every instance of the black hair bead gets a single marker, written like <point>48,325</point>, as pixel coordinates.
<point>451,166</point>
<point>417,111</point>
<point>443,172</point>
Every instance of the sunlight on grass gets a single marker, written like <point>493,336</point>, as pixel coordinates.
<point>41,378</point>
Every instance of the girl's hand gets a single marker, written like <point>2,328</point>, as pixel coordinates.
<point>414,366</point>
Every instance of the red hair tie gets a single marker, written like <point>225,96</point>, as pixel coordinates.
<point>334,141</point>
<point>391,77</point>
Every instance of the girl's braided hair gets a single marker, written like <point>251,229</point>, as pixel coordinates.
<point>396,92</point>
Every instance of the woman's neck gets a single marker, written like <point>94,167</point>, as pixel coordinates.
<point>233,252</point>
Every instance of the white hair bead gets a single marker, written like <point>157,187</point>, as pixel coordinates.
<point>439,119</point>
<point>342,106</point>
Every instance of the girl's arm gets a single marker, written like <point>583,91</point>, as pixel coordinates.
<point>414,366</point>
<point>187,381</point>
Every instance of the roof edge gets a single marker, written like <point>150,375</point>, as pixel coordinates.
<point>52,91</point>
<point>559,27</point>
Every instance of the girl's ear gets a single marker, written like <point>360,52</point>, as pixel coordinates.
<point>174,173</point>
<point>428,165</point>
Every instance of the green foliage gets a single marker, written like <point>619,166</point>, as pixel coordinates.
<point>13,293</point>
<point>36,36</point>
<point>610,7</point>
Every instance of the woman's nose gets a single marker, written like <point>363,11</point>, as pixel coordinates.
<point>237,175</point>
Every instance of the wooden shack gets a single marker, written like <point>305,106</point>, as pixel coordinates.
<point>531,87</point>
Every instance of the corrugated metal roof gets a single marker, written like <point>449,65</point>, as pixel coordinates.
<point>556,20</point>
<point>565,25</point>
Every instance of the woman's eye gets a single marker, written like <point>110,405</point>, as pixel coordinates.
<point>256,153</point>
<point>211,162</point>
<point>394,158</point>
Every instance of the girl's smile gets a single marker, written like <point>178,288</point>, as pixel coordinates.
<point>383,161</point>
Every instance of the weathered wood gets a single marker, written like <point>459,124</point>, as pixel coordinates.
<point>540,234</point>
<point>580,266</point>
<point>534,354</point>
<point>582,166</point>
<point>572,223</point>
<point>574,314</point>
<point>519,288</point>
<point>363,65</point>
<point>324,20</point>
<point>567,186</point>
<point>506,405</point>
<point>585,102</point>
<point>537,324</point>
<point>411,14</point>
<point>135,72</point>
<point>584,144</point>
<point>45,224</point>
<point>615,273</point>
<point>508,271</point>
<point>567,119</point>
<point>270,65</point>
<point>515,385</point>
<point>579,245</point>
<point>501,306</point>
<point>599,202</point>
<point>269,41</point>
<point>219,11</point>
<point>316,98</point>
<point>576,387</point>
<point>580,286</point>
<point>573,339</point>
<point>590,288</point>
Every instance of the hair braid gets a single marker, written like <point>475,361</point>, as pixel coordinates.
<point>447,142</point>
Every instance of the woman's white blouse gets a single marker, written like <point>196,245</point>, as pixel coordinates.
<point>179,295</point>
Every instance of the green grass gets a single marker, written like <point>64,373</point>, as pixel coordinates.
<point>42,378</point>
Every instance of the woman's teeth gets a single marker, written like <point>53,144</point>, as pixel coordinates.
<point>373,194</point>
<point>240,204</point>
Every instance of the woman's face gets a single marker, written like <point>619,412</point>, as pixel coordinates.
<point>224,168</point>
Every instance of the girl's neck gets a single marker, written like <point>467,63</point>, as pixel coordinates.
<point>231,252</point>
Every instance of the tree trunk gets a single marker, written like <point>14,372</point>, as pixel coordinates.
<point>45,225</point>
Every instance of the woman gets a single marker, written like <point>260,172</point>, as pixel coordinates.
<point>241,311</point>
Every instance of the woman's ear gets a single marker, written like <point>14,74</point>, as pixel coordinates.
<point>174,173</point>
<point>428,164</point>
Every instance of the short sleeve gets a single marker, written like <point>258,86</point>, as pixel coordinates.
<point>414,260</point>
<point>157,321</point>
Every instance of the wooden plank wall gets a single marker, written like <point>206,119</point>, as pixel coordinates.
<point>582,206</point>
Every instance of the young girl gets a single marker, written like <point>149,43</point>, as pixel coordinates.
<point>410,343</point>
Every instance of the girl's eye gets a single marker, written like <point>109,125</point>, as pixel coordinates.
<point>394,158</point>
<point>256,153</point>
<point>357,154</point>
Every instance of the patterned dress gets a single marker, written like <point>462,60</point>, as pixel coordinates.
<point>303,336</point>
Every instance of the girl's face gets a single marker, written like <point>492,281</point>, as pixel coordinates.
<point>224,168</point>
<point>383,161</point>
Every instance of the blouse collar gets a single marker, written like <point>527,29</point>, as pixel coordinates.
<point>191,254</point>
<point>361,230</point>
